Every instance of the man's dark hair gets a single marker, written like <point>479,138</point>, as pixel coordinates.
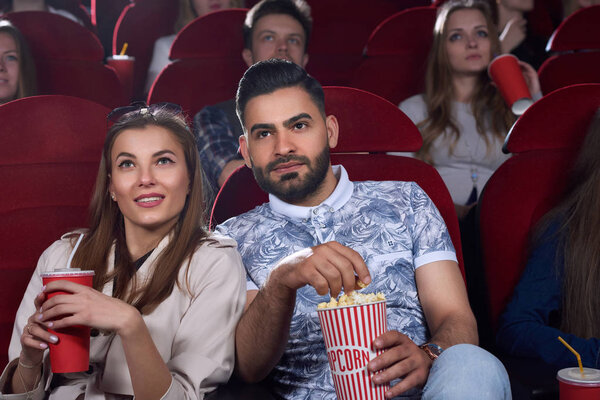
<point>267,76</point>
<point>297,9</point>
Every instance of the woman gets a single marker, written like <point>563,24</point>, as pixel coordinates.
<point>461,115</point>
<point>558,292</point>
<point>188,11</point>
<point>17,70</point>
<point>166,296</point>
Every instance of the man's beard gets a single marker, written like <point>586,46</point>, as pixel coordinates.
<point>294,193</point>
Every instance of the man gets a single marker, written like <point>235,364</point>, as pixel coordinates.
<point>272,29</point>
<point>319,234</point>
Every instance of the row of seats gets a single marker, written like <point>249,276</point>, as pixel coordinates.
<point>208,62</point>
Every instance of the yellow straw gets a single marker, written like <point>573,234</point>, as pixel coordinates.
<point>124,49</point>
<point>574,352</point>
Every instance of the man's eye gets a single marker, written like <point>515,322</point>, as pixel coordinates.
<point>293,41</point>
<point>299,125</point>
<point>263,134</point>
<point>268,38</point>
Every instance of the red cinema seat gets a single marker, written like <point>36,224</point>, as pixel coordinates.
<point>363,155</point>
<point>566,69</point>
<point>139,25</point>
<point>340,33</point>
<point>396,55</point>
<point>68,58</point>
<point>207,64</point>
<point>77,9</point>
<point>544,141</point>
<point>579,31</point>
<point>50,148</point>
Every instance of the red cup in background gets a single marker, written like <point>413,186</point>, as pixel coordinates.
<point>574,386</point>
<point>72,351</point>
<point>123,65</point>
<point>349,332</point>
<point>506,73</point>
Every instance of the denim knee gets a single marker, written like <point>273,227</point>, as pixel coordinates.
<point>465,371</point>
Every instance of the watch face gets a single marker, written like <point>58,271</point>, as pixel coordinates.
<point>435,349</point>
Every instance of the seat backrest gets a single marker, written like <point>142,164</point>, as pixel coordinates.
<point>77,9</point>
<point>68,58</point>
<point>392,131</point>
<point>50,148</point>
<point>341,32</point>
<point>157,18</point>
<point>208,62</point>
<point>579,31</point>
<point>562,70</point>
<point>544,141</point>
<point>395,60</point>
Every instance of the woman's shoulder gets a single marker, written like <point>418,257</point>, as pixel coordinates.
<point>216,248</point>
<point>415,108</point>
<point>56,255</point>
<point>165,41</point>
<point>217,257</point>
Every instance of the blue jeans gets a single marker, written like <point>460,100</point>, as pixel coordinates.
<point>464,372</point>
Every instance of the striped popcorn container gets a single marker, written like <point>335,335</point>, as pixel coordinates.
<point>349,332</point>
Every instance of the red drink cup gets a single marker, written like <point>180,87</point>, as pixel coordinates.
<point>574,386</point>
<point>123,66</point>
<point>349,332</point>
<point>72,351</point>
<point>506,73</point>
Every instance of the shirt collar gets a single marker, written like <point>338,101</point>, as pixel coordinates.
<point>338,198</point>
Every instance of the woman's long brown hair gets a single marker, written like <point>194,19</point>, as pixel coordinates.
<point>578,215</point>
<point>486,103</point>
<point>107,227</point>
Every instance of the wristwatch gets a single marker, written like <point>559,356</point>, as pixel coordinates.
<point>432,350</point>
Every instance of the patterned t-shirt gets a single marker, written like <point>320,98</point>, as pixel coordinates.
<point>394,226</point>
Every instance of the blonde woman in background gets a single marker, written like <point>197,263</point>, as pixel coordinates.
<point>17,69</point>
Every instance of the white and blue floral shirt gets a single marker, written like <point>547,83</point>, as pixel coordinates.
<point>394,226</point>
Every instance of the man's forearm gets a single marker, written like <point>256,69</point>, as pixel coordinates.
<point>262,333</point>
<point>456,329</point>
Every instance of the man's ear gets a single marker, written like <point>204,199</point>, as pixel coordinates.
<point>247,56</point>
<point>243,140</point>
<point>331,123</point>
<point>304,60</point>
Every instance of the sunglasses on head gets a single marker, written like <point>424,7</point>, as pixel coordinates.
<point>142,108</point>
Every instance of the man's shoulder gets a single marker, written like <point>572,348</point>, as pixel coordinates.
<point>369,188</point>
<point>240,224</point>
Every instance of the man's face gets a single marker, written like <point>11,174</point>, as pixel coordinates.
<point>287,144</point>
<point>277,36</point>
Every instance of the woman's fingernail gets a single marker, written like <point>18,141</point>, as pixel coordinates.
<point>43,288</point>
<point>53,339</point>
<point>40,316</point>
<point>43,345</point>
<point>50,324</point>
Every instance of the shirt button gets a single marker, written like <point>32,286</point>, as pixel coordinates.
<point>315,211</point>
<point>331,209</point>
<point>322,225</point>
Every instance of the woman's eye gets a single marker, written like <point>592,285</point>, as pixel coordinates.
<point>454,37</point>
<point>12,57</point>
<point>482,33</point>
<point>126,164</point>
<point>164,160</point>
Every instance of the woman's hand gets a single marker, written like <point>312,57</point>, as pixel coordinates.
<point>35,336</point>
<point>531,78</point>
<point>513,34</point>
<point>88,307</point>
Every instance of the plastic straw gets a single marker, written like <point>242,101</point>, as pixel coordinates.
<point>74,250</point>
<point>574,352</point>
<point>124,49</point>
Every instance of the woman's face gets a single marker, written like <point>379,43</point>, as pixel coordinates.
<point>9,68</point>
<point>205,6</point>
<point>467,41</point>
<point>149,178</point>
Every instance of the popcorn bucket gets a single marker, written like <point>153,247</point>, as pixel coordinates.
<point>349,332</point>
